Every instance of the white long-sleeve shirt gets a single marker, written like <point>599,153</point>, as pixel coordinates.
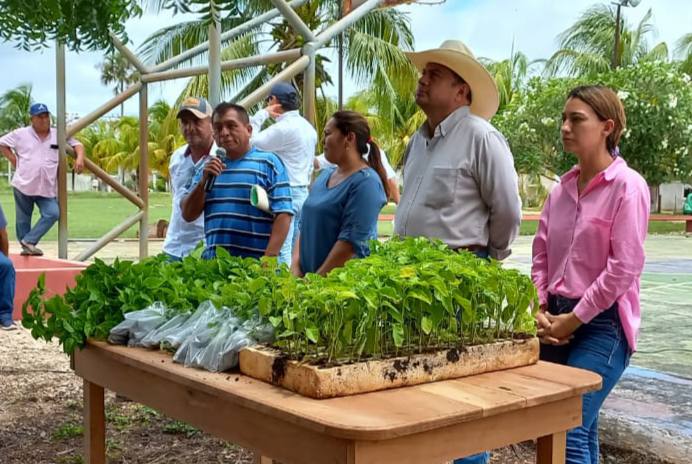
<point>292,138</point>
<point>183,236</point>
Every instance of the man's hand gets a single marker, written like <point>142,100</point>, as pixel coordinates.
<point>213,168</point>
<point>79,164</point>
<point>273,109</point>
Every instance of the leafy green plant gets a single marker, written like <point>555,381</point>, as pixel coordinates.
<point>411,295</point>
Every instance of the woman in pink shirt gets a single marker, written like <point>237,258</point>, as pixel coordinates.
<point>588,255</point>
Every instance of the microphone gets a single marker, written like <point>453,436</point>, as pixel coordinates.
<point>220,154</point>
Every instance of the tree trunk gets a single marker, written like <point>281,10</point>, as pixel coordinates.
<point>655,192</point>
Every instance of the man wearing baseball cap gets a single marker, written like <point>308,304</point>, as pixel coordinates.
<point>194,116</point>
<point>33,151</point>
<point>460,185</point>
<point>293,139</point>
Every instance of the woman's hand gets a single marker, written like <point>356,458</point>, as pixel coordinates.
<point>559,329</point>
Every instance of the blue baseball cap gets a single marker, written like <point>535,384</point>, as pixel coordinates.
<point>285,93</point>
<point>38,108</point>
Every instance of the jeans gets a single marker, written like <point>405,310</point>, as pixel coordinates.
<point>601,347</point>
<point>298,196</point>
<point>7,280</point>
<point>50,212</point>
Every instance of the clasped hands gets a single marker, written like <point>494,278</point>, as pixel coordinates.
<point>556,330</point>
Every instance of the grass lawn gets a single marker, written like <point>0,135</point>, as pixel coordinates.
<point>92,214</point>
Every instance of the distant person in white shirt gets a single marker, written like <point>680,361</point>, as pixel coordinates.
<point>195,124</point>
<point>321,163</point>
<point>293,139</point>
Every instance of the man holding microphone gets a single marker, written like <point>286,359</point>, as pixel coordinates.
<point>222,192</point>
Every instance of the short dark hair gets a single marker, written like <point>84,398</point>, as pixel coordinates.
<point>224,107</point>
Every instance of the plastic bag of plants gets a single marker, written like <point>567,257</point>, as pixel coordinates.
<point>215,356</point>
<point>137,325</point>
<point>199,334</point>
<point>176,336</point>
<point>156,336</point>
<point>223,351</point>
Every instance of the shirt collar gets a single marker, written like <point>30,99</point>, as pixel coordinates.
<point>609,174</point>
<point>286,114</point>
<point>447,123</point>
<point>35,134</point>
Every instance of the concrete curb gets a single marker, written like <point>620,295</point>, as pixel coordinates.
<point>650,412</point>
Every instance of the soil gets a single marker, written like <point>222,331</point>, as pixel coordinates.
<point>40,420</point>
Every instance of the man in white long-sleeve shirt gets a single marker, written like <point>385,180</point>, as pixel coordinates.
<point>195,124</point>
<point>293,139</point>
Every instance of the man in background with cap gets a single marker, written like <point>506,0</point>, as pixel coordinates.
<point>194,116</point>
<point>33,151</point>
<point>460,185</point>
<point>293,139</point>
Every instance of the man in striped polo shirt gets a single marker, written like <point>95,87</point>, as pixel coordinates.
<point>230,220</point>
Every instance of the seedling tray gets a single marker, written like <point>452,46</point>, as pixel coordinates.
<point>270,365</point>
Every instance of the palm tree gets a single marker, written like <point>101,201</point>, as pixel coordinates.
<point>587,46</point>
<point>164,136</point>
<point>684,51</point>
<point>14,108</point>
<point>118,70</point>
<point>373,47</point>
<point>510,74</point>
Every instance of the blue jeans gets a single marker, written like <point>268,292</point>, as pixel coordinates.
<point>50,212</point>
<point>298,196</point>
<point>7,280</point>
<point>601,347</point>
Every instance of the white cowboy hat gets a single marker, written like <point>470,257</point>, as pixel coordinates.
<point>456,56</point>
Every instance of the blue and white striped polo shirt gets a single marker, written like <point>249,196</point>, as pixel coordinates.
<point>230,221</point>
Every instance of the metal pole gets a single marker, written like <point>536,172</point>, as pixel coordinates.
<point>277,57</point>
<point>616,48</point>
<point>231,33</point>
<point>62,142</point>
<point>115,185</point>
<point>288,73</point>
<point>84,121</point>
<point>341,71</point>
<point>143,171</point>
<point>127,53</point>
<point>115,232</point>
<point>309,111</point>
<point>342,24</point>
<point>294,20</point>
<point>214,76</point>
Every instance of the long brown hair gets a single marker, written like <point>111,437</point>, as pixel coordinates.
<point>351,121</point>
<point>607,105</point>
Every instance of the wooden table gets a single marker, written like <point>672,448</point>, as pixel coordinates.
<point>429,424</point>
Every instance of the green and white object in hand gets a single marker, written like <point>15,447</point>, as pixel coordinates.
<point>259,198</point>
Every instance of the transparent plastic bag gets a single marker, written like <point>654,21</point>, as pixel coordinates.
<point>174,339</point>
<point>215,356</point>
<point>196,334</point>
<point>138,324</point>
<point>155,337</point>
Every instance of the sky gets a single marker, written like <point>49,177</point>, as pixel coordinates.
<point>489,27</point>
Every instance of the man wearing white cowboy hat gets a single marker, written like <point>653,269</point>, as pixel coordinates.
<point>460,184</point>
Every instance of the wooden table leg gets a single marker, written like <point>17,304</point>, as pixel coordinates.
<point>551,449</point>
<point>94,424</point>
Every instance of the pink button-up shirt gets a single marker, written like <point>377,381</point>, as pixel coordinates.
<point>37,162</point>
<point>591,246</point>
